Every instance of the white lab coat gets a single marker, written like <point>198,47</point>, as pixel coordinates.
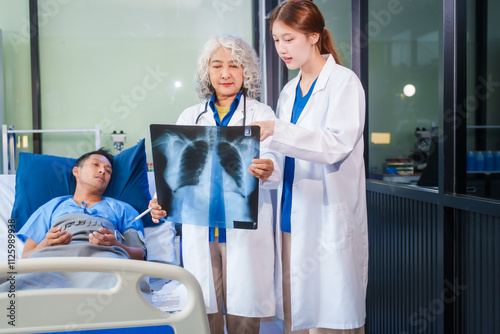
<point>250,253</point>
<point>329,253</point>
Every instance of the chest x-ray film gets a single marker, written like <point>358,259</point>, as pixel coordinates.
<point>201,174</point>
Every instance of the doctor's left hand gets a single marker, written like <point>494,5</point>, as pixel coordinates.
<point>261,168</point>
<point>104,237</point>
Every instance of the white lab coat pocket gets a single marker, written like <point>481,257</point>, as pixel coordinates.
<point>336,229</point>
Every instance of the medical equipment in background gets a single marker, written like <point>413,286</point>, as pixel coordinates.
<point>422,147</point>
<point>118,140</point>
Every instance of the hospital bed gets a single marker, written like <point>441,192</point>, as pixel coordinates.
<point>70,310</point>
<point>96,311</point>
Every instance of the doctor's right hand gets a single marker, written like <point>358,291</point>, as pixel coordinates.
<point>157,213</point>
<point>266,128</point>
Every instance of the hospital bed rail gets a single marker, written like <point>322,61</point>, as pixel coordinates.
<point>123,306</point>
<point>10,158</point>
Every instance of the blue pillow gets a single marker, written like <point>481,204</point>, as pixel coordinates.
<point>39,178</point>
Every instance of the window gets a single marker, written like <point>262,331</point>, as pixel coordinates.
<point>120,64</point>
<point>483,99</point>
<point>337,14</point>
<point>16,84</point>
<point>404,102</point>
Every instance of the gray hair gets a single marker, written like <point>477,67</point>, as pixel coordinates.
<point>243,55</point>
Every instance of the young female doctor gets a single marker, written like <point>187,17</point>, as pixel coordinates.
<point>235,268</point>
<point>322,205</point>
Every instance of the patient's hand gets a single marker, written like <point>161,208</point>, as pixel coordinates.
<point>157,212</point>
<point>104,237</point>
<point>55,237</point>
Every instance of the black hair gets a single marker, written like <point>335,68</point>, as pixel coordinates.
<point>102,151</point>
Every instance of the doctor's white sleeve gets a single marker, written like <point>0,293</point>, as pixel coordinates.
<point>336,138</point>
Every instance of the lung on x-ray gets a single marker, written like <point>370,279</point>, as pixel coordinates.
<point>201,174</point>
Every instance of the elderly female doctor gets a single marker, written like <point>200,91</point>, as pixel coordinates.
<point>233,266</point>
<point>324,242</point>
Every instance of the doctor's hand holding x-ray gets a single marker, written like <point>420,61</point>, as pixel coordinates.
<point>266,129</point>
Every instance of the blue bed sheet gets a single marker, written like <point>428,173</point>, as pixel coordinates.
<point>164,329</point>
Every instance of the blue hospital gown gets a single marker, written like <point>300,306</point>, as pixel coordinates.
<point>119,213</point>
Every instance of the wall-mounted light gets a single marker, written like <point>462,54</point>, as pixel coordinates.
<point>177,85</point>
<point>22,141</point>
<point>381,138</point>
<point>409,90</point>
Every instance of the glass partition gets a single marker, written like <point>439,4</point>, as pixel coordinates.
<point>483,99</point>
<point>337,15</point>
<point>119,64</point>
<point>404,102</point>
<point>15,29</point>
<point>125,65</point>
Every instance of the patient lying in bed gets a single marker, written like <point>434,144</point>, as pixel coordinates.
<point>62,222</point>
<point>85,224</point>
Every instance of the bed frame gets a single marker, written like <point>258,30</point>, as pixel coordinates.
<point>8,147</point>
<point>123,306</point>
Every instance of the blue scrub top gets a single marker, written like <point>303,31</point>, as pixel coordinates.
<point>289,170</point>
<point>217,210</point>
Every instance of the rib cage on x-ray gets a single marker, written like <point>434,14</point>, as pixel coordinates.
<point>193,156</point>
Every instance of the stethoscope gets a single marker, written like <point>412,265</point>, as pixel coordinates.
<point>244,109</point>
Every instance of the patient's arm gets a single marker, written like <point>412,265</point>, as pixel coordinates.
<point>107,238</point>
<point>53,237</point>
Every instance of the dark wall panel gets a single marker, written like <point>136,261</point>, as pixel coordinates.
<point>423,271</point>
<point>478,273</point>
<point>405,272</point>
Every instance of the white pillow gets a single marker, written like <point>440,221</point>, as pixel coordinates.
<point>160,243</point>
<point>160,238</point>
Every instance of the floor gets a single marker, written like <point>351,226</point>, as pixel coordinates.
<point>270,325</point>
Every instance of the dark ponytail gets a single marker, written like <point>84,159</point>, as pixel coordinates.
<point>327,46</point>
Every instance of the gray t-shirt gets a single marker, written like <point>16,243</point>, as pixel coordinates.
<point>81,225</point>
